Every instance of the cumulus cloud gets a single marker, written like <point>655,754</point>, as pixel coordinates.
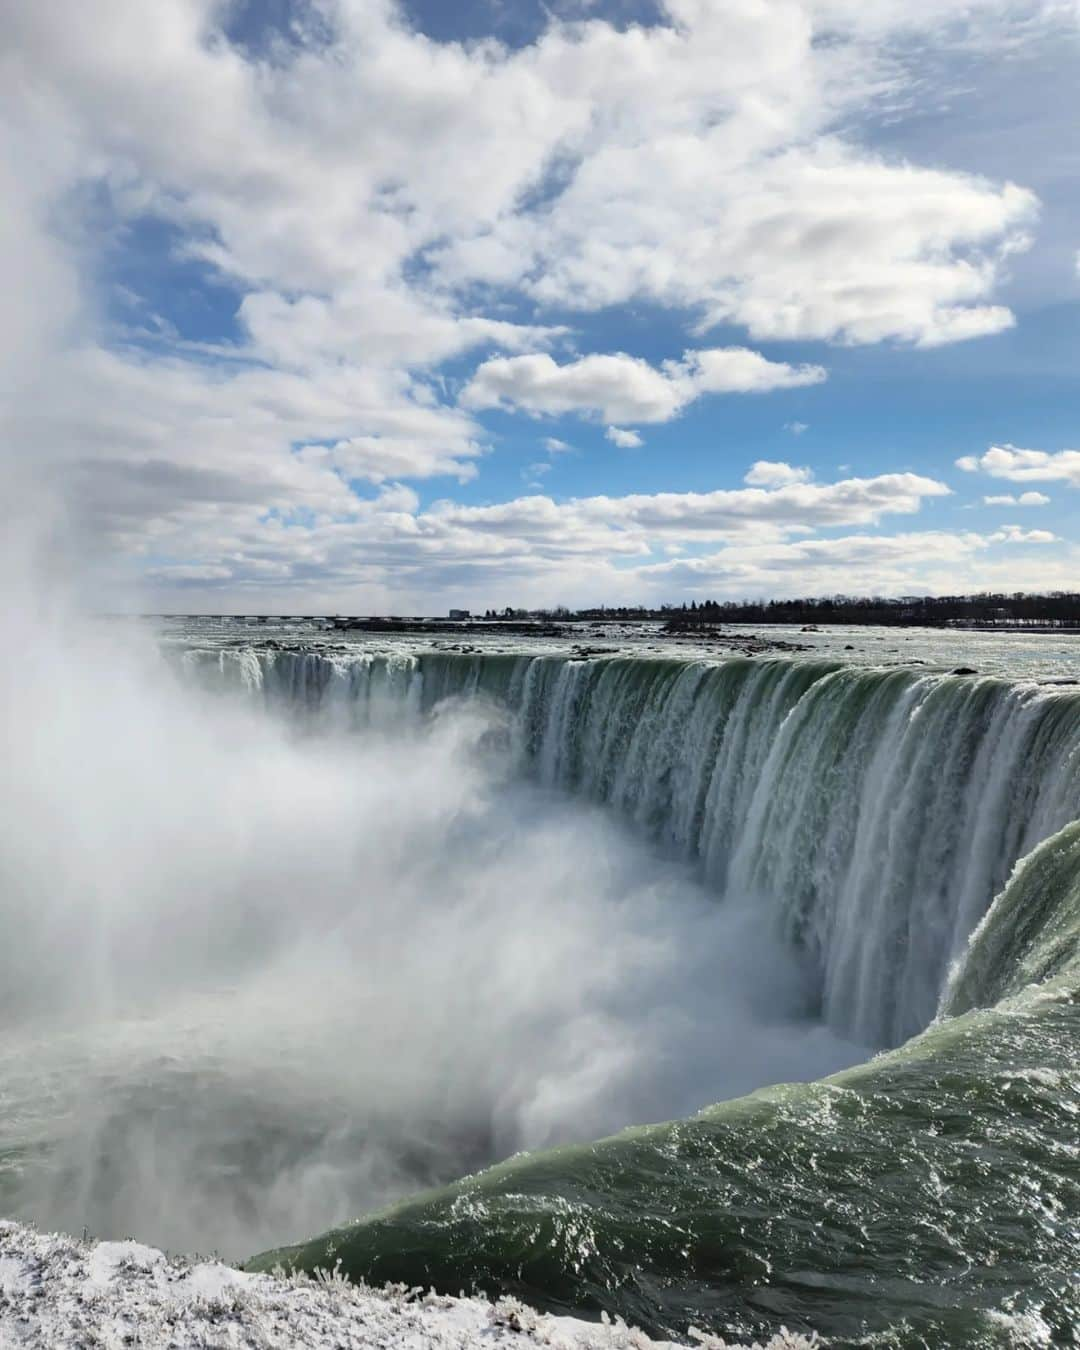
<point>1016,534</point>
<point>814,244</point>
<point>370,205</point>
<point>1024,499</point>
<point>624,438</point>
<point>1025,466</point>
<point>621,388</point>
<point>177,440</point>
<point>532,546</point>
<point>635,519</point>
<point>769,473</point>
<point>535,549</point>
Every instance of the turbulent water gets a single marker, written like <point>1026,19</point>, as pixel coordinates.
<point>876,811</point>
<point>489,901</point>
<point>929,1199</point>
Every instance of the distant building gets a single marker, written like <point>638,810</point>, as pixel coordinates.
<point>460,614</point>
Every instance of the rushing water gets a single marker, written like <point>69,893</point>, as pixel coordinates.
<point>929,1199</point>
<point>876,811</point>
<point>829,830</point>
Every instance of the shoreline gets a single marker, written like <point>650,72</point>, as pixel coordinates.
<point>65,1293</point>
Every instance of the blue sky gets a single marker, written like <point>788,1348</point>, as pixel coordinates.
<point>358,304</point>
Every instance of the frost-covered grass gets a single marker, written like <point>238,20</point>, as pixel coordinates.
<point>58,1292</point>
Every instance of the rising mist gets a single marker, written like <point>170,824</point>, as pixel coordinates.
<point>267,978</point>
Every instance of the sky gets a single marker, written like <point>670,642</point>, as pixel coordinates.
<point>356,306</point>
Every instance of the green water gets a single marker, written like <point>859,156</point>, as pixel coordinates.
<point>929,1198</point>
<point>1032,933</point>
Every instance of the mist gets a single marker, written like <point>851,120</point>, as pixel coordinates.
<point>259,980</point>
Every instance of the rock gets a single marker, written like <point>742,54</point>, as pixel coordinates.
<point>965,670</point>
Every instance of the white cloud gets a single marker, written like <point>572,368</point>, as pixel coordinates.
<point>616,387</point>
<point>377,204</point>
<point>556,447</point>
<point>1016,534</point>
<point>389,541</point>
<point>316,179</point>
<point>379,323</point>
<point>815,243</point>
<point>809,563</point>
<point>1024,499</point>
<point>536,550</point>
<point>769,473</point>
<point>621,388</point>
<point>736,370</point>
<point>932,561</point>
<point>1025,466</point>
<point>632,521</point>
<point>732,195</point>
<point>625,438</point>
<point>533,474</point>
<point>796,428</point>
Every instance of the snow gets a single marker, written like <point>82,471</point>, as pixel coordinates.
<point>58,1292</point>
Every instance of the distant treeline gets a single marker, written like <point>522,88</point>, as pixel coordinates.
<point>1057,609</point>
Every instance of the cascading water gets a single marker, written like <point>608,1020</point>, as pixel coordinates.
<point>272,974</point>
<point>268,976</point>
<point>876,812</point>
<point>1030,935</point>
<point>926,1199</point>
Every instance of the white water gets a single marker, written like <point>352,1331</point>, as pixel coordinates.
<point>871,815</point>
<point>1031,933</point>
<point>265,972</point>
<point>256,981</point>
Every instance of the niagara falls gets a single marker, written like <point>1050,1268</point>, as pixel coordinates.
<point>540,711</point>
<point>333,923</point>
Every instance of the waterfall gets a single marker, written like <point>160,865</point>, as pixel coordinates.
<point>1030,934</point>
<point>342,692</point>
<point>876,811</point>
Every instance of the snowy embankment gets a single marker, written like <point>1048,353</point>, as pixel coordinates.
<point>58,1292</point>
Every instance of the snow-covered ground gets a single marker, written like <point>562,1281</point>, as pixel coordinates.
<point>58,1292</point>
